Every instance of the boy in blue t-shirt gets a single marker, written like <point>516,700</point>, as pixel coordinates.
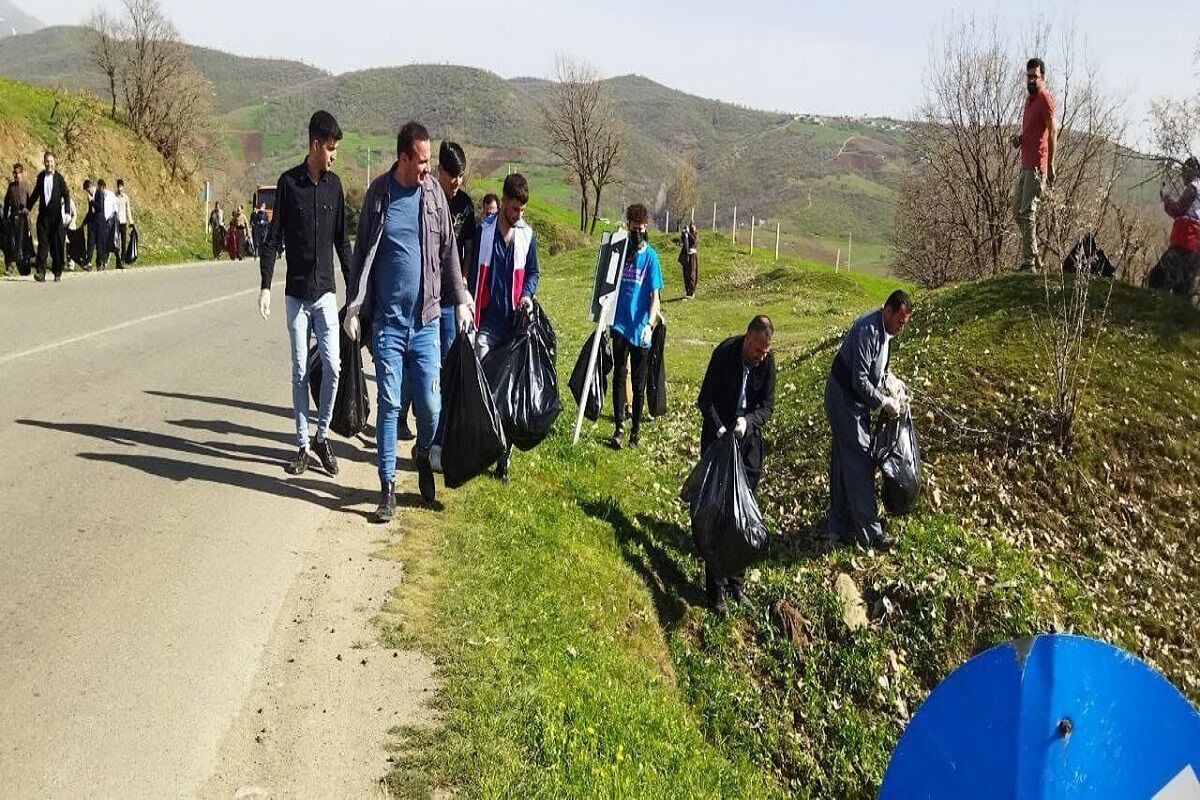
<point>633,327</point>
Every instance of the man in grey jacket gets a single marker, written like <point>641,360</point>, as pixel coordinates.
<point>405,263</point>
<point>859,383</point>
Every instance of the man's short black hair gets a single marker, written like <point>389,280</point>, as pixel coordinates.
<point>120,181</point>
<point>87,184</point>
<point>410,133</point>
<point>761,324</point>
<point>322,127</point>
<point>18,167</point>
<point>897,300</point>
<point>489,198</point>
<point>637,214</point>
<point>516,188</point>
<point>452,159</point>
<point>101,184</point>
<point>1036,62</point>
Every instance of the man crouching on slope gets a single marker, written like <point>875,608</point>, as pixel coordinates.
<point>310,219</point>
<point>405,262</point>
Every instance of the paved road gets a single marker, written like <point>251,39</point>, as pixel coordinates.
<point>148,536</point>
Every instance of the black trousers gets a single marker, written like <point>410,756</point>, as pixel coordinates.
<point>105,240</point>
<point>638,359</point>
<point>50,244</point>
<point>90,248</point>
<point>732,584</point>
<point>691,272</point>
<point>121,241</point>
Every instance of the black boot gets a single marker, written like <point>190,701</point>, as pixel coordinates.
<point>502,468</point>
<point>425,480</point>
<point>387,502</point>
<point>299,464</point>
<point>324,451</point>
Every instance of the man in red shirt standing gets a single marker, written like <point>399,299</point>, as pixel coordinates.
<point>1037,141</point>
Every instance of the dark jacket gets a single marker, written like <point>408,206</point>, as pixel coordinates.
<point>719,395</point>
<point>858,368</point>
<point>310,221</point>
<point>440,270</point>
<point>59,196</point>
<point>16,199</point>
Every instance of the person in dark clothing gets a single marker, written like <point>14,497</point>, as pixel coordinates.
<point>310,217</point>
<point>638,307</point>
<point>689,242</point>
<point>18,245</point>
<point>260,221</point>
<point>859,382</point>
<point>738,397</point>
<point>53,199</point>
<point>216,229</point>
<point>105,225</point>
<point>90,219</point>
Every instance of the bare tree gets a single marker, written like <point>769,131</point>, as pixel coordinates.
<point>584,133</point>
<point>104,50</point>
<point>684,189</point>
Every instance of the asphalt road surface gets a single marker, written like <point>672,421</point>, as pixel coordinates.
<point>148,533</point>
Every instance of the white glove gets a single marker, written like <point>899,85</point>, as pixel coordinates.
<point>721,432</point>
<point>1162,191</point>
<point>352,326</point>
<point>527,304</point>
<point>463,317</point>
<point>891,406</point>
<point>647,336</point>
<point>264,303</point>
<point>739,427</point>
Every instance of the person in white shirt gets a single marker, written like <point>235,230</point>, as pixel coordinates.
<point>124,222</point>
<point>106,227</point>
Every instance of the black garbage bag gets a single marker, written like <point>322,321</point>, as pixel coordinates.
<point>77,245</point>
<point>1087,254</point>
<point>896,452</point>
<point>599,382</point>
<point>524,380</point>
<point>473,434</point>
<point>131,245</point>
<point>656,382</point>
<point>351,406</point>
<point>727,526</point>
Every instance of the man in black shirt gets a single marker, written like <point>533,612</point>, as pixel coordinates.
<point>738,396</point>
<point>310,220</point>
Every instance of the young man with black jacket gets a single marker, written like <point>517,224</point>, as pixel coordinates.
<point>738,396</point>
<point>310,220</point>
<point>52,197</point>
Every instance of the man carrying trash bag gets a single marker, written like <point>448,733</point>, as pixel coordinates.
<point>405,263</point>
<point>503,278</point>
<point>860,382</point>
<point>737,397</point>
<point>638,307</point>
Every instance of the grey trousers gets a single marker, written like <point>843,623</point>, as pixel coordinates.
<point>852,512</point>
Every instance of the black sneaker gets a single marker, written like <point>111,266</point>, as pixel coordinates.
<point>58,277</point>
<point>299,464</point>
<point>387,502</point>
<point>740,598</point>
<point>717,603</point>
<point>404,433</point>
<point>425,480</point>
<point>40,277</point>
<point>324,451</point>
<point>633,440</point>
<point>883,543</point>
<point>502,469</point>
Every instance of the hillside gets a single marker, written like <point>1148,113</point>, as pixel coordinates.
<point>168,212</point>
<point>14,21</point>
<point>566,609</point>
<point>822,179</point>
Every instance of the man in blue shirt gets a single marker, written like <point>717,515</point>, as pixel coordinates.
<point>638,305</point>
<point>503,276</point>
<point>405,266</point>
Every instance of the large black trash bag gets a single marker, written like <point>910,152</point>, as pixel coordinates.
<point>727,526</point>
<point>316,370</point>
<point>656,383</point>
<point>896,452</point>
<point>599,382</point>
<point>473,435</point>
<point>524,381</point>
<point>131,245</point>
<point>351,407</point>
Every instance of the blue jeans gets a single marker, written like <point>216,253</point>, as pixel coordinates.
<point>321,317</point>
<point>405,357</point>
<point>449,330</point>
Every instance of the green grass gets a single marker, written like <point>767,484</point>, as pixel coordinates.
<point>564,610</point>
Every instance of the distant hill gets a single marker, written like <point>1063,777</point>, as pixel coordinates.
<point>14,21</point>
<point>821,179</point>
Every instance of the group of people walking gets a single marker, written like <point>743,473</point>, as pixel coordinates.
<point>106,227</point>
<point>243,236</point>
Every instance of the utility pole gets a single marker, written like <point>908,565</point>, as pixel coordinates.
<point>776,241</point>
<point>367,183</point>
<point>753,225</point>
<point>735,224</point>
<point>849,249</point>
<point>838,266</point>
<point>668,220</point>
<point>714,216</point>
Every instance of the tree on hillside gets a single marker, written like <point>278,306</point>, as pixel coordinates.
<point>104,50</point>
<point>954,219</point>
<point>683,191</point>
<point>585,135</point>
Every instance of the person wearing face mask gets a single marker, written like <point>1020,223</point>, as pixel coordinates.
<point>859,382</point>
<point>638,305</point>
<point>405,267</point>
<point>1037,142</point>
<point>738,397</point>
<point>503,276</point>
<point>310,219</point>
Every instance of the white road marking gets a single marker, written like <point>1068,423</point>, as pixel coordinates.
<point>1183,786</point>
<point>121,326</point>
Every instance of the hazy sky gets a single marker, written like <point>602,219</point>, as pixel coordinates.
<point>833,57</point>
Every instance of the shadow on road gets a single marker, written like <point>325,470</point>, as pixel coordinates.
<point>230,402</point>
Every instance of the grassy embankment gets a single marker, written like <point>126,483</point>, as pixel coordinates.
<point>564,609</point>
<point>168,211</point>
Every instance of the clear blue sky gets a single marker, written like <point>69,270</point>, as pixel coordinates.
<point>845,57</point>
